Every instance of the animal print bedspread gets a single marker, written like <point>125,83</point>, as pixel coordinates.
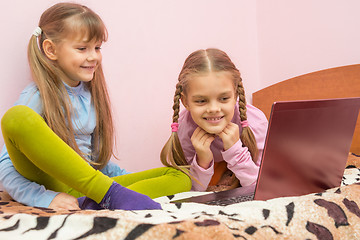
<point>333,214</point>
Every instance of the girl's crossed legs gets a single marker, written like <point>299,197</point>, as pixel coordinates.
<point>41,156</point>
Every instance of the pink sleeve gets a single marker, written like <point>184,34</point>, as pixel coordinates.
<point>201,174</point>
<point>259,125</point>
<point>185,131</point>
<point>238,158</point>
<point>240,162</point>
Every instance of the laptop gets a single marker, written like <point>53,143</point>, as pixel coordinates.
<point>306,149</point>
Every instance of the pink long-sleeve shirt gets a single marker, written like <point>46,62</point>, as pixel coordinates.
<point>238,158</point>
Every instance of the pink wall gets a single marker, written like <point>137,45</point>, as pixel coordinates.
<point>149,41</point>
<point>298,37</point>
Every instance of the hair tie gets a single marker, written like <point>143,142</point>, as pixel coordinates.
<point>37,32</point>
<point>244,123</point>
<point>174,127</point>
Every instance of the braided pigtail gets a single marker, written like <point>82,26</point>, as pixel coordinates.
<point>247,136</point>
<point>172,154</point>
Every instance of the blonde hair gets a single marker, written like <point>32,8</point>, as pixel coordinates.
<point>57,109</point>
<point>199,62</point>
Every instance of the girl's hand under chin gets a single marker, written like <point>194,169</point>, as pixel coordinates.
<point>201,141</point>
<point>230,135</point>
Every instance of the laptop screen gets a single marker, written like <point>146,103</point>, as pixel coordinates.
<point>306,147</point>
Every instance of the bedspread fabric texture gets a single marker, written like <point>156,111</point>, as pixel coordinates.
<point>333,214</point>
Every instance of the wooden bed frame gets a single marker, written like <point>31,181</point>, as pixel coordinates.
<point>339,82</point>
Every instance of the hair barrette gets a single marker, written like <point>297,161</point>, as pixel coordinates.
<point>37,32</point>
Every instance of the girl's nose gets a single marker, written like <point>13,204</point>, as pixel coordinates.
<point>93,55</point>
<point>213,107</point>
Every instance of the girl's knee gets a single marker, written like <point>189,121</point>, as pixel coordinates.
<point>182,177</point>
<point>187,183</point>
<point>17,112</point>
<point>17,118</point>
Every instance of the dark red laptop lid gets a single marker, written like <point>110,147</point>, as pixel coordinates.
<point>306,147</point>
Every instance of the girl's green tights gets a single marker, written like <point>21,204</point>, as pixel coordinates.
<point>41,156</point>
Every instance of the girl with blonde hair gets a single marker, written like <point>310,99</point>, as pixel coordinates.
<point>218,132</point>
<point>60,135</point>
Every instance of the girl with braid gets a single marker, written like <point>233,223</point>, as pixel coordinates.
<point>217,133</point>
<point>60,135</point>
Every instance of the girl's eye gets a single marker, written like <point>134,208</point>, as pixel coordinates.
<point>98,48</point>
<point>200,101</point>
<point>81,48</point>
<point>224,99</point>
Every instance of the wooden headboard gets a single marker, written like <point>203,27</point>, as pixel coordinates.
<point>339,82</point>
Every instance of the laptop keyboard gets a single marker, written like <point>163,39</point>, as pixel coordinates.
<point>232,200</point>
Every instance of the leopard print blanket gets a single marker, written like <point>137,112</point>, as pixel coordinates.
<point>333,214</point>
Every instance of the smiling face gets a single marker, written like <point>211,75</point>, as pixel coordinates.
<point>210,98</point>
<point>78,58</point>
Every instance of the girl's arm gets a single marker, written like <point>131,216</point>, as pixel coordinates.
<point>185,132</point>
<point>239,161</point>
<point>201,174</point>
<point>20,188</point>
<point>238,158</point>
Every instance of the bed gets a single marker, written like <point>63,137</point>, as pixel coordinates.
<point>333,214</point>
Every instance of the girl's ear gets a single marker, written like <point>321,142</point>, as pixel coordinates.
<point>50,49</point>
<point>184,100</point>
